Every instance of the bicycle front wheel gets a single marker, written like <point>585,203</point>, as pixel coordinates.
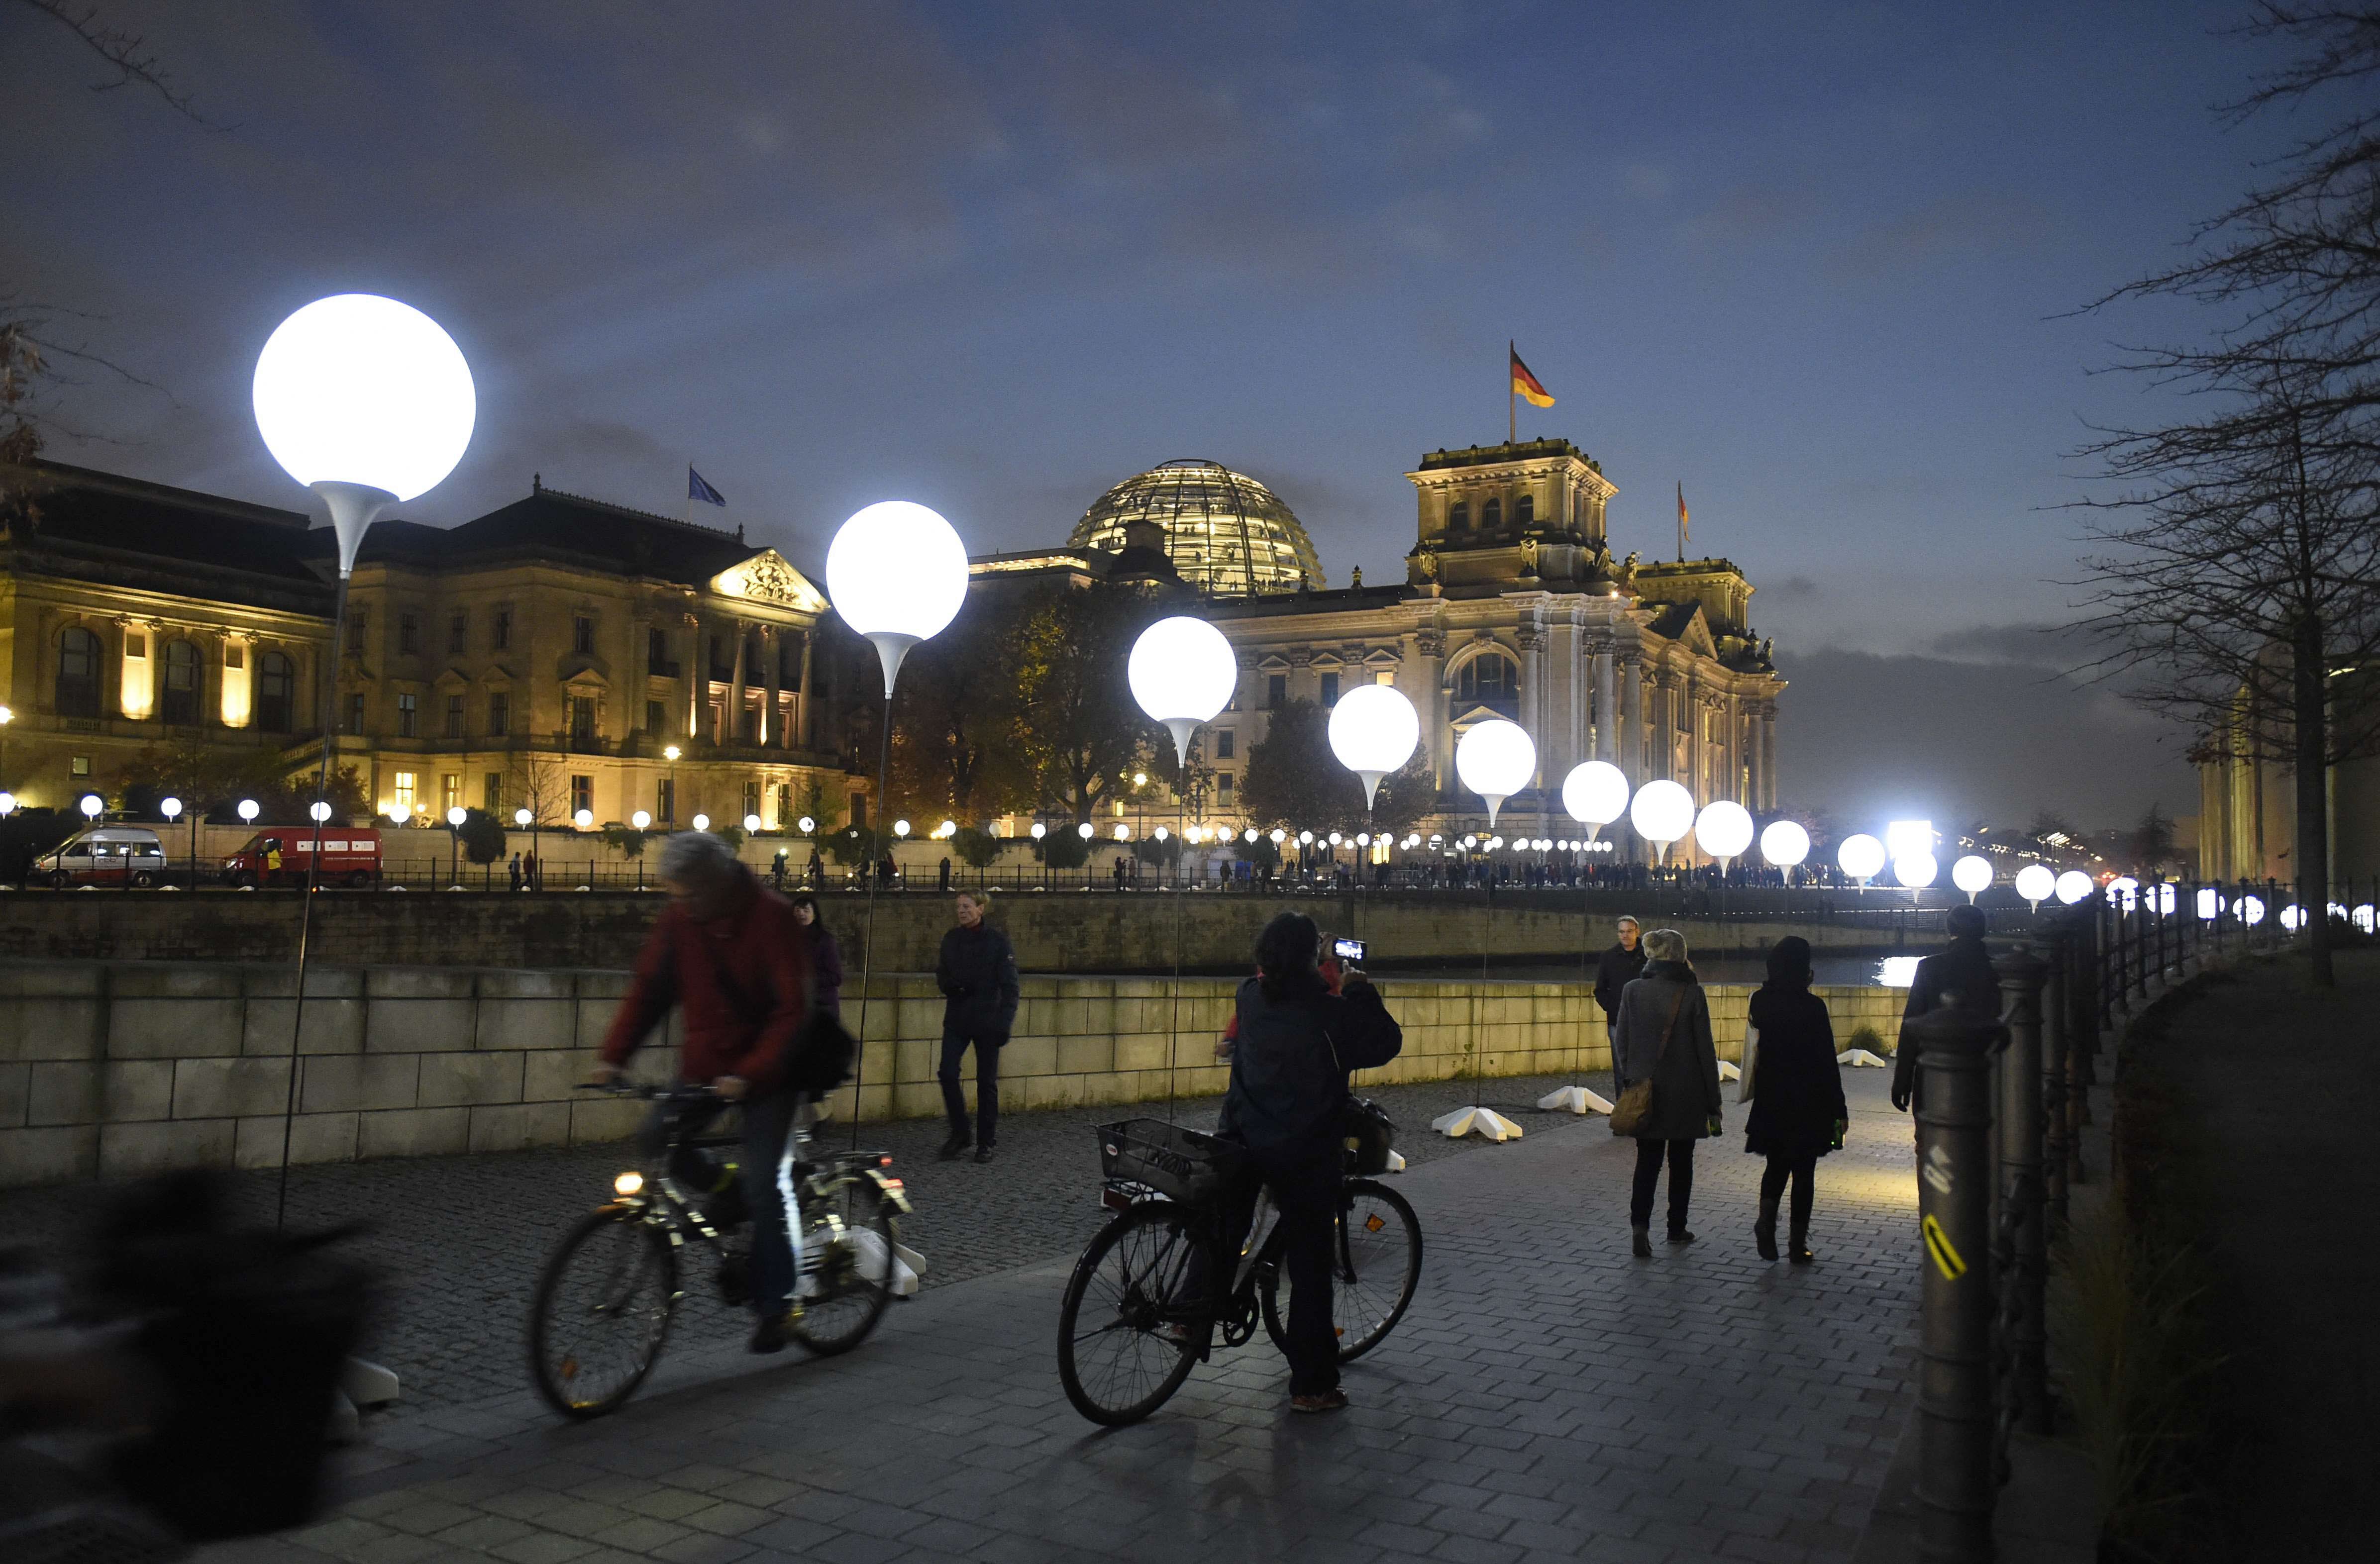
<point>1125,1340</point>
<point>1375,1266</point>
<point>600,1312</point>
<point>848,1230</point>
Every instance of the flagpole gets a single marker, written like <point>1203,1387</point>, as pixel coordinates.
<point>1512,396</point>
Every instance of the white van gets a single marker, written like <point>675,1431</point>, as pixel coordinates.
<point>106,856</point>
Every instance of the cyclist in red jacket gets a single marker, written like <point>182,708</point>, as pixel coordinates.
<point>729,952</point>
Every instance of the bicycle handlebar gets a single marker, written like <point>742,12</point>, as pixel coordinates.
<point>645,1092</point>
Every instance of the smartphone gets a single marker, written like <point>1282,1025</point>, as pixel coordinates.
<point>1348,951</point>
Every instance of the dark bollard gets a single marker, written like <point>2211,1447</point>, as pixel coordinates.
<point>1955,1430</point>
<point>2066,995</point>
<point>2022,977</point>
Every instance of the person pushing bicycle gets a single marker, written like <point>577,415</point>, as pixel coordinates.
<point>730,954</point>
<point>1296,1042</point>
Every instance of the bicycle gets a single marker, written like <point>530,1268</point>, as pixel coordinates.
<point>606,1297</point>
<point>1150,1320</point>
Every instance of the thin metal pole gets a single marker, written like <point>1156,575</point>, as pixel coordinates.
<point>1181,935</point>
<point>1955,1486</point>
<point>2022,974</point>
<point>868,953</point>
<point>329,682</point>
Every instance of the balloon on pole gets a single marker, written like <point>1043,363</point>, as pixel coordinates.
<point>1374,731</point>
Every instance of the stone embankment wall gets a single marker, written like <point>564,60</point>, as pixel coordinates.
<point>125,1068</point>
<point>1058,931</point>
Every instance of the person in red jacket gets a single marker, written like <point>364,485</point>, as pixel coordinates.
<point>729,952</point>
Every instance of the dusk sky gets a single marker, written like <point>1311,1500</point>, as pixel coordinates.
<point>1815,261</point>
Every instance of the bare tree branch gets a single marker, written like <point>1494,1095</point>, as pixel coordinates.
<point>127,53</point>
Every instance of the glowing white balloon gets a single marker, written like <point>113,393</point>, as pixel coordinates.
<point>1916,871</point>
<point>897,574</point>
<point>640,819</point>
<point>1784,843</point>
<point>1971,874</point>
<point>2036,883</point>
<point>2250,910</point>
<point>1496,760</point>
<point>1374,731</point>
<point>1662,812</point>
<point>362,390</point>
<point>1596,793</point>
<point>2073,885</point>
<point>1861,857</point>
<point>1724,829</point>
<point>1182,671</point>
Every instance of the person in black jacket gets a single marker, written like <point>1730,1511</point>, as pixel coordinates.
<point>1614,970</point>
<point>1798,1111</point>
<point>1960,972</point>
<point>1296,1044</point>
<point>977,973</point>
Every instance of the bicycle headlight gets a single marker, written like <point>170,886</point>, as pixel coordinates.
<point>629,1183</point>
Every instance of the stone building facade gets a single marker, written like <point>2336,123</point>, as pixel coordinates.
<point>2248,804</point>
<point>1512,606</point>
<point>546,655</point>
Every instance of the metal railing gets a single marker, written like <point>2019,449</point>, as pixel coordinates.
<point>2002,1101</point>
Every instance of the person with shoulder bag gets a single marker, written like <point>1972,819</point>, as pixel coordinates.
<point>1667,1070</point>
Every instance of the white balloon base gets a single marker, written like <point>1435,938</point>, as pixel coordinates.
<point>1860,1056</point>
<point>1572,1099</point>
<point>1482,1121</point>
<point>1728,1072</point>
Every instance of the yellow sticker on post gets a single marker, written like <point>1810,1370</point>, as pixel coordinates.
<point>1946,1256</point>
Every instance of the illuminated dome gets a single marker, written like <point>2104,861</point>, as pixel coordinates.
<point>1227,534</point>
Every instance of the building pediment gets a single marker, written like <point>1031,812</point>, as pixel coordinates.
<point>768,576</point>
<point>587,679</point>
<point>451,681</point>
<point>1273,662</point>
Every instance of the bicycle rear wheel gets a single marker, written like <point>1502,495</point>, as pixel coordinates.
<point>1375,1264</point>
<point>1125,1342</point>
<point>600,1312</point>
<point>847,1235</point>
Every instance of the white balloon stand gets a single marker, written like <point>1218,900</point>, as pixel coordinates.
<point>1860,1058</point>
<point>1484,1121</point>
<point>1728,1072</point>
<point>1574,1099</point>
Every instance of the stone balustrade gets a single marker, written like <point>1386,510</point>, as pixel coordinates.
<point>115,1069</point>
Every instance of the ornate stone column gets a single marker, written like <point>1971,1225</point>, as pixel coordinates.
<point>1767,755</point>
<point>1426,654</point>
<point>1606,719</point>
<point>1629,734</point>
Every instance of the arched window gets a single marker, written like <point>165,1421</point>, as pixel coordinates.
<point>276,693</point>
<point>1524,509</point>
<point>1491,514</point>
<point>180,706</point>
<point>1491,679</point>
<point>1458,518</point>
<point>77,691</point>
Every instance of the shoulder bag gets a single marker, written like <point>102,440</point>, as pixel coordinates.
<point>1635,1105</point>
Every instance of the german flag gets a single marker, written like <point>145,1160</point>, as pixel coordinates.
<point>1525,385</point>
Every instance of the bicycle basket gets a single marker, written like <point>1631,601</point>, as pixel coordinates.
<point>1369,1133</point>
<point>1184,1165</point>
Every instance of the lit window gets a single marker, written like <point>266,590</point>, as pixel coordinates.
<point>406,788</point>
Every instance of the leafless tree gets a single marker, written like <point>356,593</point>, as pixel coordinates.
<point>126,53</point>
<point>2236,576</point>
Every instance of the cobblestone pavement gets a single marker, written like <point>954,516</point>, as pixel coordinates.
<point>1549,1397</point>
<point>458,1239</point>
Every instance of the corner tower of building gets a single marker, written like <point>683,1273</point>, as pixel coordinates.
<point>1491,516</point>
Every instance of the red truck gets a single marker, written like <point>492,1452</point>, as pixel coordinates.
<point>350,856</point>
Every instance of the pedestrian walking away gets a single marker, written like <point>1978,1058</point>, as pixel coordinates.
<point>816,873</point>
<point>729,954</point>
<point>777,869</point>
<point>512,871</point>
<point>1798,1111</point>
<point>1663,1035</point>
<point>1614,970</point>
<point>1959,974</point>
<point>1287,1103</point>
<point>977,973</point>
<point>943,875</point>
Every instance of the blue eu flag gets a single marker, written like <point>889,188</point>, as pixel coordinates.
<point>696,489</point>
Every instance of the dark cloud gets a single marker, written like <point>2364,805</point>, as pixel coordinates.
<point>1875,737</point>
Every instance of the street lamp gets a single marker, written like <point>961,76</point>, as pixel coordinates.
<point>1662,812</point>
<point>368,403</point>
<point>1971,874</point>
<point>1495,759</point>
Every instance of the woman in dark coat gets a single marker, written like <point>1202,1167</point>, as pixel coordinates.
<point>1798,1112</point>
<point>826,956</point>
<point>1686,1079</point>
